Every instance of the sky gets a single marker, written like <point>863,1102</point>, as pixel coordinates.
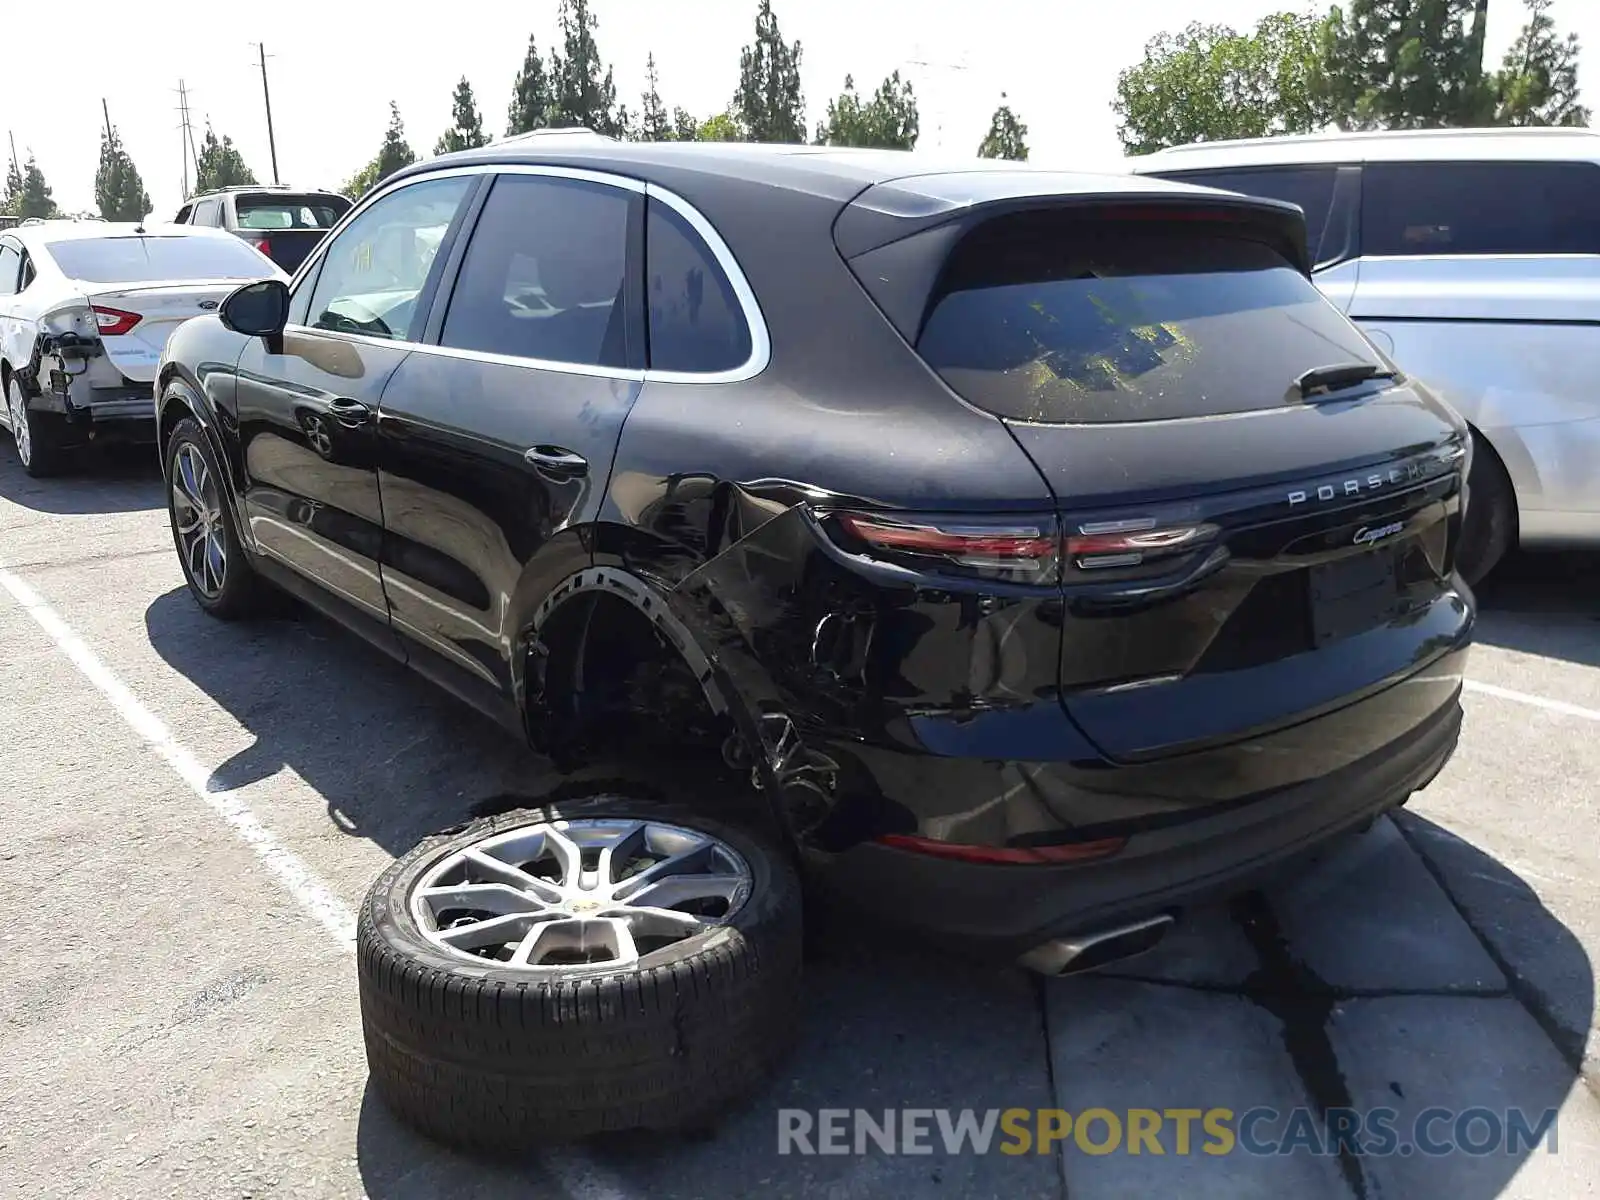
<point>333,70</point>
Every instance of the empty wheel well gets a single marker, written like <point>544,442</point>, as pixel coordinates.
<point>604,678</point>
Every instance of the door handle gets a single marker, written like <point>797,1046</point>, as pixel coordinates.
<point>351,413</point>
<point>556,459</point>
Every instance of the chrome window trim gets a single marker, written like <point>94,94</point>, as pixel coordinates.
<point>760,340</point>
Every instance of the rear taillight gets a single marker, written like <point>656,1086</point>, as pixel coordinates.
<point>1107,545</point>
<point>1069,852</point>
<point>263,245</point>
<point>114,322</point>
<point>1008,549</point>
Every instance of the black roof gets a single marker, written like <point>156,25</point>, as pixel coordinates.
<point>825,171</point>
<point>909,191</point>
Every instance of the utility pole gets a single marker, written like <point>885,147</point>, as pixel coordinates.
<point>107,111</point>
<point>15,165</point>
<point>266,96</point>
<point>190,154</point>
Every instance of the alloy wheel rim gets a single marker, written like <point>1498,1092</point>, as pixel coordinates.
<point>197,521</point>
<point>578,895</point>
<point>19,425</point>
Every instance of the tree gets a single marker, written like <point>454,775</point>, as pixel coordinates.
<point>220,165</point>
<point>1211,82</point>
<point>654,124</point>
<point>1406,64</point>
<point>34,198</point>
<point>530,95</point>
<point>724,127</point>
<point>769,104</point>
<point>118,190</point>
<point>394,154</point>
<point>13,199</point>
<point>887,121</point>
<point>1007,136</point>
<point>466,126</point>
<point>583,93</point>
<point>684,127</point>
<point>1538,82</point>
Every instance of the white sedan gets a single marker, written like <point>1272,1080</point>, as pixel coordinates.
<point>86,308</point>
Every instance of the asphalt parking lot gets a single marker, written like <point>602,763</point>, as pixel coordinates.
<point>191,811</point>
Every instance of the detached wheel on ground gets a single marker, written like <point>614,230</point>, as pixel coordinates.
<point>608,964</point>
<point>37,447</point>
<point>1490,527</point>
<point>215,566</point>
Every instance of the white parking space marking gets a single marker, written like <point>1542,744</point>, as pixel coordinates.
<point>310,892</point>
<point>580,1177</point>
<point>1544,702</point>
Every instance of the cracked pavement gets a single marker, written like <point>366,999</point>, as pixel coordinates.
<point>176,1026</point>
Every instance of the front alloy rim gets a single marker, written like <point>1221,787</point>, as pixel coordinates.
<point>578,893</point>
<point>19,425</point>
<point>197,519</point>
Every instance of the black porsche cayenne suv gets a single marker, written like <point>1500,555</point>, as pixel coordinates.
<point>1045,545</point>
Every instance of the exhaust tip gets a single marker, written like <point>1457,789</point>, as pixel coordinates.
<point>1088,951</point>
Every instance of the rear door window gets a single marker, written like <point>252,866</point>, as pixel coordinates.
<point>543,274</point>
<point>1047,318</point>
<point>1480,208</point>
<point>1309,187</point>
<point>696,323</point>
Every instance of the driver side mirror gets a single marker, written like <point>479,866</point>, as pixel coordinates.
<point>259,309</point>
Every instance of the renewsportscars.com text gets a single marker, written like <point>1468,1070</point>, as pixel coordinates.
<point>1373,1132</point>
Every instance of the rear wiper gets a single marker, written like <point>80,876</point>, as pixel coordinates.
<point>1319,381</point>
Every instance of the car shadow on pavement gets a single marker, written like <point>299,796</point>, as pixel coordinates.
<point>1403,970</point>
<point>1545,604</point>
<point>394,757</point>
<point>109,479</point>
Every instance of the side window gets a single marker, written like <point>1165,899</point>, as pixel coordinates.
<point>373,272</point>
<point>204,212</point>
<point>1480,208</point>
<point>1309,187</point>
<point>543,274</point>
<point>10,264</point>
<point>184,214</point>
<point>28,273</point>
<point>696,323</point>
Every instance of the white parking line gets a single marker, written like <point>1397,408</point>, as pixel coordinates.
<point>1528,698</point>
<point>301,882</point>
<point>579,1176</point>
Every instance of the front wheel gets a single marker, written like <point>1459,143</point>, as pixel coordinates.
<point>215,567</point>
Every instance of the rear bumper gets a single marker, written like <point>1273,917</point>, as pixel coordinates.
<point>112,414</point>
<point>1168,861</point>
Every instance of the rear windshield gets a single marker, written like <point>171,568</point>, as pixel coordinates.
<point>1044,319</point>
<point>152,259</point>
<point>290,212</point>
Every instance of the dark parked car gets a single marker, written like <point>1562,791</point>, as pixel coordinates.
<point>283,223</point>
<point>1045,545</point>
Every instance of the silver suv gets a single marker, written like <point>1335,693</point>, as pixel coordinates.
<point>1472,257</point>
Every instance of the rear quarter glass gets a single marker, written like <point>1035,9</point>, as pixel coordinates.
<point>1048,319</point>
